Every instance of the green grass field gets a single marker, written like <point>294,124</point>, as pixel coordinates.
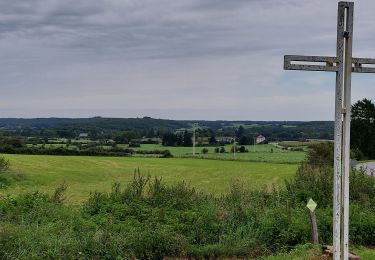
<point>263,153</point>
<point>86,174</point>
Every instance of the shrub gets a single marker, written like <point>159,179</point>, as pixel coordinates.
<point>4,164</point>
<point>167,154</point>
<point>242,149</point>
<point>133,144</point>
<point>321,154</point>
<point>204,150</point>
<point>58,195</point>
<point>357,154</point>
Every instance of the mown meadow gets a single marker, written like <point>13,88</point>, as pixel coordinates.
<point>85,174</point>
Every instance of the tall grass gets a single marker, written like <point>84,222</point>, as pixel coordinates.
<point>148,219</point>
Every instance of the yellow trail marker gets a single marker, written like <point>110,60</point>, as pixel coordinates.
<point>311,205</point>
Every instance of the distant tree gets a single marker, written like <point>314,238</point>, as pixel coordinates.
<point>133,144</point>
<point>121,139</point>
<point>222,149</point>
<point>131,134</point>
<point>187,139</point>
<point>242,149</point>
<point>212,139</point>
<point>240,131</point>
<point>246,140</point>
<point>65,133</point>
<point>179,139</point>
<point>205,150</point>
<point>363,127</point>
<point>151,133</point>
<point>169,139</point>
<point>217,150</point>
<point>14,142</point>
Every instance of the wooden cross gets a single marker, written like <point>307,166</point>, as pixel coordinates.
<point>343,64</point>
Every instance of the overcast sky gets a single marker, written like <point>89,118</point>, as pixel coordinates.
<point>178,59</point>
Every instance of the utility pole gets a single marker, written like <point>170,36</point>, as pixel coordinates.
<point>194,127</point>
<point>255,140</point>
<point>343,65</point>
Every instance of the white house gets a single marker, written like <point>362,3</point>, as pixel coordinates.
<point>260,139</point>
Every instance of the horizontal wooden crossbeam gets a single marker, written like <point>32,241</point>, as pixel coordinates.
<point>296,62</point>
<point>359,65</point>
<point>330,63</point>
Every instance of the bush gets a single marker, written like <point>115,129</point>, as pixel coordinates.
<point>357,154</point>
<point>204,151</point>
<point>167,154</point>
<point>4,164</point>
<point>243,149</point>
<point>321,154</point>
<point>133,144</point>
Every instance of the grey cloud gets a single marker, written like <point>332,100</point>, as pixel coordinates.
<point>117,53</point>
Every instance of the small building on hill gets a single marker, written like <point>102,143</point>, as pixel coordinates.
<point>83,136</point>
<point>260,139</point>
<point>224,139</point>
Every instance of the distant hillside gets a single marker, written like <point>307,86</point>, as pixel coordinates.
<point>99,126</point>
<point>101,122</point>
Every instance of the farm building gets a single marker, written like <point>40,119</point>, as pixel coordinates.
<point>260,139</point>
<point>83,135</point>
<point>224,139</point>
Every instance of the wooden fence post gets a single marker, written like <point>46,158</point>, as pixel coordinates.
<point>311,205</point>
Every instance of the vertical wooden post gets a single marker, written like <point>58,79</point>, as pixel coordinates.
<point>314,228</point>
<point>311,205</point>
<point>348,34</point>
<point>337,183</point>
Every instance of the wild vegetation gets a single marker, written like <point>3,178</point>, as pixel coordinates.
<point>148,219</point>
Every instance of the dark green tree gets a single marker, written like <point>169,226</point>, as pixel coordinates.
<point>187,139</point>
<point>212,139</point>
<point>169,139</point>
<point>363,127</point>
<point>240,131</point>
